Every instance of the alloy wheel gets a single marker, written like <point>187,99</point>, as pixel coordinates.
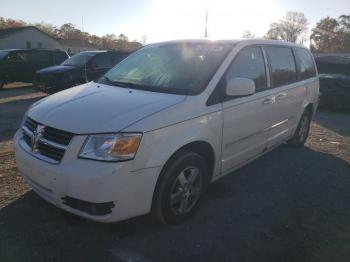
<point>185,191</point>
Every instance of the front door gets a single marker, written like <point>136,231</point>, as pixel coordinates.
<point>247,120</point>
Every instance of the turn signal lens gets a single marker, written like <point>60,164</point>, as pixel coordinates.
<point>126,145</point>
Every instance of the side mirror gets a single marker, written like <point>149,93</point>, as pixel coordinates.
<point>240,87</point>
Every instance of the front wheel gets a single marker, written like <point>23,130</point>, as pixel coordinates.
<point>302,131</point>
<point>180,188</point>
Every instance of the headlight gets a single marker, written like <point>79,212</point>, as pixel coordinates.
<point>111,147</point>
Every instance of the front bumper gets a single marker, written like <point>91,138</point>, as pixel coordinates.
<point>130,191</point>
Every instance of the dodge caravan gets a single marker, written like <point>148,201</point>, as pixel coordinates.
<point>157,128</point>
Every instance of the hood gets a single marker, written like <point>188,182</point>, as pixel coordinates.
<point>56,69</point>
<point>98,108</point>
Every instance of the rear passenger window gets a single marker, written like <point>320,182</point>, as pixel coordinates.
<point>249,63</point>
<point>282,65</point>
<point>103,61</point>
<point>42,57</point>
<point>118,57</point>
<point>305,64</point>
<point>60,57</point>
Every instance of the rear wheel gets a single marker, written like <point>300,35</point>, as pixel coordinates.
<point>180,188</point>
<point>302,131</point>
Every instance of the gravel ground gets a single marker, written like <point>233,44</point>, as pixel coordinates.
<point>289,205</point>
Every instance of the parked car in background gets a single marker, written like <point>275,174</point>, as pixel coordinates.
<point>80,68</point>
<point>156,129</point>
<point>20,65</point>
<point>334,73</point>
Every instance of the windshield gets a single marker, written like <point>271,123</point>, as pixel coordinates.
<point>3,54</point>
<point>79,59</point>
<point>181,68</point>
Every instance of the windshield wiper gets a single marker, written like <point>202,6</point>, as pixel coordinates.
<point>119,83</point>
<point>138,86</point>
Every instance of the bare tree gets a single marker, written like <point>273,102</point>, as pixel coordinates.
<point>248,35</point>
<point>292,28</point>
<point>8,23</point>
<point>70,31</point>
<point>109,41</point>
<point>47,28</point>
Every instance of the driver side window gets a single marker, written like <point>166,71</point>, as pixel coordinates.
<point>102,61</point>
<point>249,63</point>
<point>15,58</point>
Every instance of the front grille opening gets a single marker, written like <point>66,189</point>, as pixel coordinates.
<point>30,124</point>
<point>50,151</point>
<point>96,209</point>
<point>55,140</point>
<point>57,136</point>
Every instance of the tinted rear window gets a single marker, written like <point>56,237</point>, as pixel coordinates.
<point>119,57</point>
<point>42,57</point>
<point>103,61</point>
<point>305,64</point>
<point>282,65</point>
<point>60,57</point>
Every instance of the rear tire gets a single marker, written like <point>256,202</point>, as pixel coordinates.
<point>302,131</point>
<point>181,185</point>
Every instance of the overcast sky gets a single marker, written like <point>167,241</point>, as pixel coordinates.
<point>170,19</point>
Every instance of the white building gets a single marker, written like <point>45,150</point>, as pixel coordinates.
<point>27,37</point>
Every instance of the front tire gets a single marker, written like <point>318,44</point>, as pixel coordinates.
<point>181,185</point>
<point>302,131</point>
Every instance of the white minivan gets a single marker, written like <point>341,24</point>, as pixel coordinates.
<point>156,129</point>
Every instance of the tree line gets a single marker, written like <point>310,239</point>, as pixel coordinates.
<point>70,31</point>
<point>330,35</point>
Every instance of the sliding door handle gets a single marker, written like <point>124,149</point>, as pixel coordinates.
<point>269,100</point>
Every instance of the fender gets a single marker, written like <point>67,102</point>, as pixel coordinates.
<point>159,145</point>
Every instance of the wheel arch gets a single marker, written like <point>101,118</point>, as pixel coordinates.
<point>200,147</point>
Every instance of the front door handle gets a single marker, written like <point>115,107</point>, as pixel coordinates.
<point>269,100</point>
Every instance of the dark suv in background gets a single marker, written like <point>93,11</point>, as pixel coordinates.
<point>78,69</point>
<point>20,65</point>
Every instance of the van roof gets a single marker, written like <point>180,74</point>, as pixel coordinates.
<point>233,41</point>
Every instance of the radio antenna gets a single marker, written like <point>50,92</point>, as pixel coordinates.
<point>82,30</point>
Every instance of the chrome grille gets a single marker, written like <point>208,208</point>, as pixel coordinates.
<point>51,143</point>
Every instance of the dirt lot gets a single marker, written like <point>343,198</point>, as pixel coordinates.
<point>290,205</point>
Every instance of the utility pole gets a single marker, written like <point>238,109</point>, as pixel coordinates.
<point>206,22</point>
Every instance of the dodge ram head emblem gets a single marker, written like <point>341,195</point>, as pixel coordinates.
<point>34,139</point>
